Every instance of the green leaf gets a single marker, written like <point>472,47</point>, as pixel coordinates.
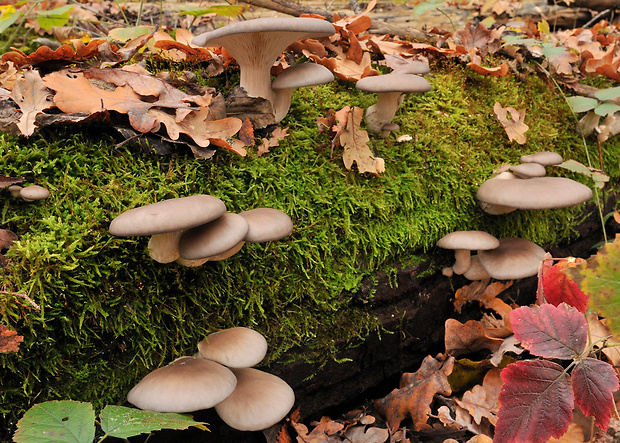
<point>129,33</point>
<point>600,279</point>
<point>608,94</point>
<point>550,51</point>
<point>54,17</point>
<point>223,10</point>
<point>423,8</point>
<point>57,421</point>
<point>598,176</point>
<point>582,104</point>
<point>122,422</point>
<point>605,109</point>
<point>8,17</point>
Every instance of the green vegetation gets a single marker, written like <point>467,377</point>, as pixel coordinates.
<point>110,313</point>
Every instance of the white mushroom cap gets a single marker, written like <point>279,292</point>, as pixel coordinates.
<point>413,67</point>
<point>534,193</point>
<point>463,242</point>
<point>514,258</point>
<point>213,238</point>
<point>185,385</point>
<point>266,224</point>
<point>390,88</point>
<point>257,43</point>
<point>168,215</point>
<point>544,158</point>
<point>528,170</point>
<point>33,192</point>
<point>259,401</point>
<point>298,76</point>
<point>236,347</point>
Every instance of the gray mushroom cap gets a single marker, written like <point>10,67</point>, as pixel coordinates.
<point>33,192</point>
<point>235,347</point>
<point>213,238</point>
<point>266,224</point>
<point>168,215</point>
<point>259,401</point>
<point>545,158</point>
<point>514,258</point>
<point>413,67</point>
<point>463,242</point>
<point>528,170</point>
<point>393,82</point>
<point>304,74</point>
<point>185,385</point>
<point>534,193</point>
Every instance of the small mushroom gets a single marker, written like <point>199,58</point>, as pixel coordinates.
<point>463,242</point>
<point>185,385</point>
<point>514,258</point>
<point>235,347</point>
<point>33,192</point>
<point>14,190</point>
<point>476,271</point>
<point>390,89</point>
<point>413,67</point>
<point>528,170</point>
<point>298,76</point>
<point>259,401</point>
<point>266,224</point>
<point>213,238</point>
<point>545,158</point>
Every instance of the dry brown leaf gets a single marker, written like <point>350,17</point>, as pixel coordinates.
<point>416,393</point>
<point>462,419</point>
<point>510,344</point>
<point>32,97</point>
<point>5,181</point>
<point>467,338</point>
<point>574,434</point>
<point>362,434</point>
<point>483,400</point>
<point>355,52</point>
<point>276,136</point>
<point>355,140</point>
<point>8,75</point>
<point>246,133</point>
<point>599,330</point>
<point>9,340</point>
<point>325,431</point>
<point>344,68</point>
<point>514,126</point>
<point>485,293</point>
<point>498,71</point>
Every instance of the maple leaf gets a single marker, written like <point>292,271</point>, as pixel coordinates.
<point>9,340</point>
<point>467,338</point>
<point>550,331</point>
<point>558,287</point>
<point>530,387</point>
<point>514,127</point>
<point>416,393</point>
<point>599,278</point>
<point>32,97</point>
<point>594,382</point>
<point>355,140</point>
<point>482,400</point>
<point>276,136</point>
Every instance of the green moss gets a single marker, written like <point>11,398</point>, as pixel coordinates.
<point>110,314</point>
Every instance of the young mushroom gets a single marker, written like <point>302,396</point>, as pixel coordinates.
<point>256,44</point>
<point>235,347</point>
<point>298,76</point>
<point>545,158</point>
<point>390,89</point>
<point>33,192</point>
<point>213,238</point>
<point>528,170</point>
<point>463,242</point>
<point>266,224</point>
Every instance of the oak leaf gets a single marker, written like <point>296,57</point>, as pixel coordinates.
<point>467,338</point>
<point>482,400</point>
<point>9,340</point>
<point>485,293</point>
<point>355,140</point>
<point>32,97</point>
<point>416,393</point>
<point>514,126</point>
<point>276,136</point>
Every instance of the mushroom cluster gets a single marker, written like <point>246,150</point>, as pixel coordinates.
<point>505,259</point>
<point>220,375</point>
<point>526,186</point>
<point>29,193</point>
<point>196,229</point>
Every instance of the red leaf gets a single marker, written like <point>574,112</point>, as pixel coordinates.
<point>550,331</point>
<point>558,288</point>
<point>536,402</point>
<point>594,382</point>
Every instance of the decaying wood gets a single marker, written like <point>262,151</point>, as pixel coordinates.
<point>596,5</point>
<point>289,8</point>
<point>556,16</point>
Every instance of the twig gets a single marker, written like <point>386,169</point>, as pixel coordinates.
<point>597,18</point>
<point>25,297</point>
<point>355,6</point>
<point>289,8</point>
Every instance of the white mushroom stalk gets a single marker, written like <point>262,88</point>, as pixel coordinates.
<point>381,113</point>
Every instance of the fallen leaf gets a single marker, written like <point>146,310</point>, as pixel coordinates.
<point>485,293</point>
<point>276,136</point>
<point>597,331</point>
<point>9,340</point>
<point>467,338</point>
<point>246,133</point>
<point>594,382</point>
<point>355,140</point>
<point>514,126</point>
<point>482,400</point>
<point>33,98</point>
<point>325,431</point>
<point>509,345</point>
<point>416,393</point>
<point>558,287</point>
<point>573,435</point>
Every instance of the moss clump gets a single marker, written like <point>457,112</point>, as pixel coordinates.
<point>110,314</point>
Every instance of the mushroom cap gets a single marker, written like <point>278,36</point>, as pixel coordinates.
<point>394,82</point>
<point>266,224</point>
<point>471,240</point>
<point>235,347</point>
<point>545,158</point>
<point>185,385</point>
<point>513,258</point>
<point>534,193</point>
<point>15,190</point>
<point>299,76</point>
<point>528,170</point>
<point>168,215</point>
<point>413,67</point>
<point>259,401</point>
<point>303,27</point>
<point>33,192</point>
<point>213,238</point>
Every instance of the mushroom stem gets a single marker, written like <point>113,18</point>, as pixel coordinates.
<point>282,103</point>
<point>462,261</point>
<point>382,112</point>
